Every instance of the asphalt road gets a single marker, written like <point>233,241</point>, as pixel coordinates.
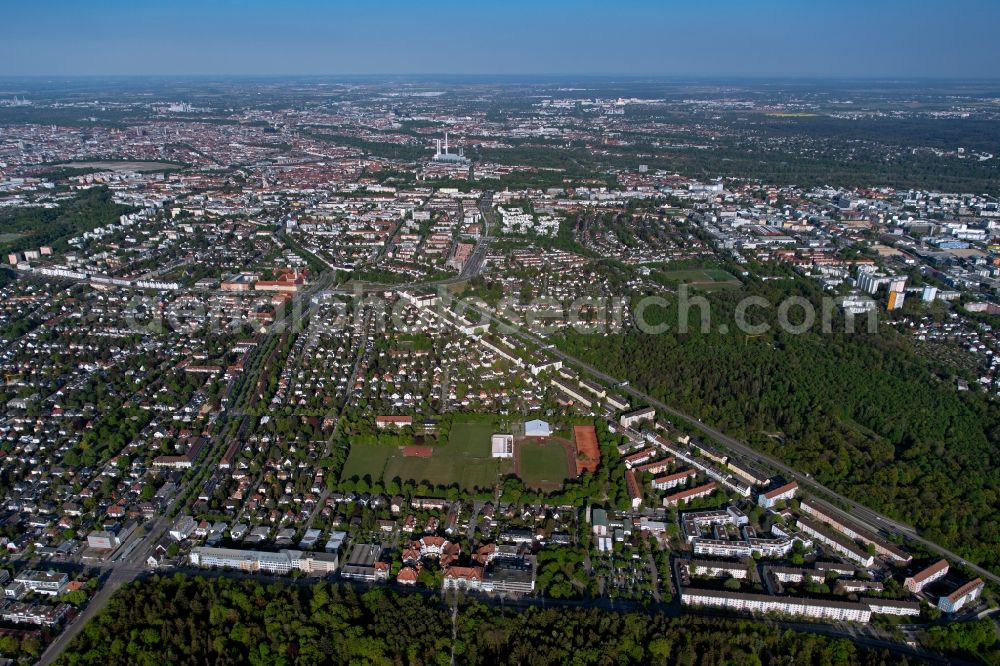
<point>113,575</point>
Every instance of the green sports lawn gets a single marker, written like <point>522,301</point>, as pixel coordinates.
<point>464,460</point>
<point>701,277</point>
<point>543,464</point>
<point>366,460</point>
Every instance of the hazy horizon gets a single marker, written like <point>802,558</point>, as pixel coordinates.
<point>772,39</point>
<point>515,77</point>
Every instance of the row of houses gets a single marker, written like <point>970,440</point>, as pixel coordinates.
<point>837,542</point>
<point>712,471</point>
<point>572,392</point>
<point>822,609</point>
<point>921,579</point>
<point>748,473</point>
<point>252,561</point>
<point>772,497</point>
<point>17,612</point>
<point>949,603</point>
<point>587,392</point>
<point>669,481</point>
<point>964,595</point>
<point>718,569</point>
<point>689,494</point>
<point>503,577</point>
<point>779,546</point>
<point>49,583</point>
<point>827,515</point>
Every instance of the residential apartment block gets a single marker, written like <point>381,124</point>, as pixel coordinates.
<point>252,561</point>
<point>961,597</point>
<point>917,581</point>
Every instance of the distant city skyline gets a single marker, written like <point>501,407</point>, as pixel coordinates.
<point>770,38</point>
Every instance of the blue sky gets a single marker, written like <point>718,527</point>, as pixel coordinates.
<point>810,38</point>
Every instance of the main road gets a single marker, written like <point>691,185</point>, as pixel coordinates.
<point>131,563</point>
<point>113,574</point>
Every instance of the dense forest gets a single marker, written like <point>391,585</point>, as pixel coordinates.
<point>28,228</point>
<point>197,620</point>
<point>861,412</point>
<point>972,640</point>
<point>902,171</point>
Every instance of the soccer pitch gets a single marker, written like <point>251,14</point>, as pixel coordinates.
<point>465,459</point>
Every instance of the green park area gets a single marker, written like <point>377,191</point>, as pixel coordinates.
<point>28,228</point>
